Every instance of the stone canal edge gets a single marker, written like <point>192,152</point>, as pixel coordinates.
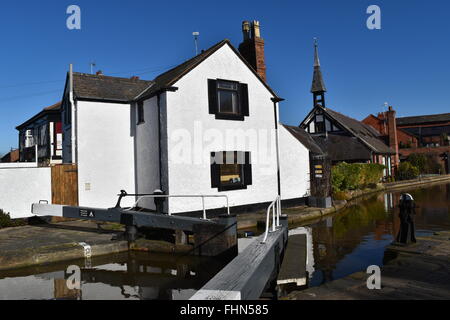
<point>414,272</point>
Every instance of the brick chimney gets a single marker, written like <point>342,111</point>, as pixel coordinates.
<point>392,134</point>
<point>252,47</point>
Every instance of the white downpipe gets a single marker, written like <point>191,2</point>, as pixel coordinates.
<point>73,116</point>
<point>36,154</point>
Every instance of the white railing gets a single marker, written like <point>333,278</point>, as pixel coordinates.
<point>275,207</point>
<point>202,196</point>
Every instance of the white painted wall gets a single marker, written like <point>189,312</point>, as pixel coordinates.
<point>105,151</point>
<point>189,122</point>
<point>21,187</point>
<point>294,166</point>
<point>147,152</point>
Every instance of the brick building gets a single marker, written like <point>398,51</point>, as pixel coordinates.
<point>427,134</point>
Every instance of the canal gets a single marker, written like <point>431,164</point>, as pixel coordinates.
<point>339,245</point>
<point>356,237</point>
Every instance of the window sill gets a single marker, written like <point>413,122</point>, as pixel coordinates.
<point>140,122</point>
<point>224,116</point>
<point>231,188</point>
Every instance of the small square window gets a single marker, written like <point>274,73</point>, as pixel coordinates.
<point>228,100</point>
<point>228,97</point>
<point>231,170</point>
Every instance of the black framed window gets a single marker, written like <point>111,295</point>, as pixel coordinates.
<point>231,170</point>
<point>140,112</point>
<point>228,100</point>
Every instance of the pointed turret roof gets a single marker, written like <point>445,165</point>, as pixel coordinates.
<point>318,85</point>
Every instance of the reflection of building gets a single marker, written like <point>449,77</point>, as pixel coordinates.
<point>61,291</point>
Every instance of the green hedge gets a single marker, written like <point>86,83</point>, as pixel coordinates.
<point>407,171</point>
<point>426,163</point>
<point>352,176</point>
<point>6,221</point>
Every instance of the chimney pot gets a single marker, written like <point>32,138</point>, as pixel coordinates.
<point>246,30</point>
<point>252,48</point>
<point>256,29</point>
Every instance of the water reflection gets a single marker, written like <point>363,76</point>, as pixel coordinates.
<point>335,247</point>
<point>122,276</point>
<point>356,238</point>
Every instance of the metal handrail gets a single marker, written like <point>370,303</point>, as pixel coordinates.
<point>275,206</point>
<point>202,196</point>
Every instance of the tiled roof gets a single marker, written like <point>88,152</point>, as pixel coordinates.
<point>101,87</point>
<point>305,139</point>
<point>343,148</point>
<point>365,133</point>
<point>171,76</point>
<point>432,118</point>
<point>53,109</point>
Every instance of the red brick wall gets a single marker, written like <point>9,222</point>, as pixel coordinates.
<point>406,139</point>
<point>439,151</point>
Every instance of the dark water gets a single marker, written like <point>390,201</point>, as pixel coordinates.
<point>340,245</point>
<point>356,238</point>
<point>114,277</point>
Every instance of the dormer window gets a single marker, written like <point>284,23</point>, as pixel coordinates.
<point>228,100</point>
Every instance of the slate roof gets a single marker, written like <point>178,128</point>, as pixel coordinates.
<point>427,131</point>
<point>343,148</point>
<point>318,85</point>
<point>171,76</point>
<point>364,135</point>
<point>101,87</point>
<point>305,138</point>
<point>125,90</point>
<point>368,135</point>
<point>432,118</point>
<point>53,109</point>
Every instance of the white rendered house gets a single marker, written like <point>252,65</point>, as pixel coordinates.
<point>208,126</point>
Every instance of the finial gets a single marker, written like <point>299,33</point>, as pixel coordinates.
<point>316,54</point>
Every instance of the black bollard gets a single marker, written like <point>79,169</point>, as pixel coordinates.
<point>159,201</point>
<point>406,235</point>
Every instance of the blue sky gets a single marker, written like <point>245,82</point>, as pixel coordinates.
<point>405,63</point>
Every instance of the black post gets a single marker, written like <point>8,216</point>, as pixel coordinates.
<point>406,235</point>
